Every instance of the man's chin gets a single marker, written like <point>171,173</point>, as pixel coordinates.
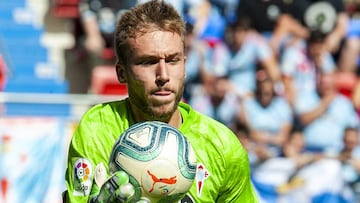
<point>163,112</point>
<point>161,115</point>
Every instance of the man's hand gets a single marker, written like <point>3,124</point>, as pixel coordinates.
<point>117,188</point>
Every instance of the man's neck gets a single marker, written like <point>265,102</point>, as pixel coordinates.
<point>139,116</point>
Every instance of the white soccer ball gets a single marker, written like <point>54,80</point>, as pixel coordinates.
<point>158,157</point>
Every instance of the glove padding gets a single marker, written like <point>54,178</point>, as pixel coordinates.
<point>116,189</point>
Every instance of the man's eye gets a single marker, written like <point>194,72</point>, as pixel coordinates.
<point>147,62</point>
<point>173,61</point>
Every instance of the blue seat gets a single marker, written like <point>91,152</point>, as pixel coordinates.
<point>34,109</point>
<point>26,52</point>
<point>20,44</point>
<point>10,5</point>
<point>25,84</point>
<point>13,30</point>
<point>34,85</point>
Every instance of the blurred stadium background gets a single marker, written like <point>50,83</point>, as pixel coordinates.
<point>39,108</point>
<point>37,113</point>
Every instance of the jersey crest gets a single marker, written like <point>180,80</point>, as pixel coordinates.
<point>201,175</point>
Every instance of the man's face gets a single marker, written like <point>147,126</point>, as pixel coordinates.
<point>155,74</point>
<point>316,49</point>
<point>351,139</point>
<point>266,93</point>
<point>327,84</point>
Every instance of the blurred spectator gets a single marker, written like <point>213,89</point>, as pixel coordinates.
<point>98,18</point>
<point>227,8</point>
<point>93,33</point>
<point>203,61</point>
<point>334,27</point>
<point>216,100</point>
<point>349,57</point>
<point>207,87</point>
<point>283,20</point>
<point>195,51</point>
<point>302,62</point>
<point>353,11</point>
<point>350,157</point>
<point>247,49</point>
<point>208,21</point>
<point>256,154</point>
<point>294,148</point>
<point>344,44</point>
<point>325,116</point>
<point>342,38</point>
<point>299,176</point>
<point>269,117</point>
<point>278,20</point>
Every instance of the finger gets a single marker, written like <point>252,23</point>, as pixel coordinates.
<point>121,177</point>
<point>126,191</point>
<point>100,174</point>
<point>143,200</point>
<point>95,190</point>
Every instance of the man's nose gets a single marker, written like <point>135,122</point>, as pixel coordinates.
<point>162,75</point>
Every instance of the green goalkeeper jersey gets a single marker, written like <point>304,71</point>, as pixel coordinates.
<point>222,175</point>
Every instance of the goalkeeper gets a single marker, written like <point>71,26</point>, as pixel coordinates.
<point>149,45</point>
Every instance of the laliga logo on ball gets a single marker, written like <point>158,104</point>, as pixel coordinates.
<point>158,158</point>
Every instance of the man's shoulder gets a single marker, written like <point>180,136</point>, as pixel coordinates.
<point>195,122</point>
<point>106,108</point>
<point>192,116</point>
<point>103,122</point>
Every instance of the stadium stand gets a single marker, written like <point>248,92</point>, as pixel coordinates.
<point>27,59</point>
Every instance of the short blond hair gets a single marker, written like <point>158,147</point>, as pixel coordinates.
<point>143,18</point>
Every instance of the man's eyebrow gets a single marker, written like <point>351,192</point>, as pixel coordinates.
<point>143,57</point>
<point>174,55</point>
<point>151,57</point>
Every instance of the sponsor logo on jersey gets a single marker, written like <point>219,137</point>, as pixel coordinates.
<point>201,175</point>
<point>82,176</point>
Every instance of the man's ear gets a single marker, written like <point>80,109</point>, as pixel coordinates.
<point>120,72</point>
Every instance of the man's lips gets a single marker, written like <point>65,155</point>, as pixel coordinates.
<point>162,92</point>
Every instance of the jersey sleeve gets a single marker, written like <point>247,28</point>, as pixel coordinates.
<point>90,146</point>
<point>237,183</point>
<point>80,165</point>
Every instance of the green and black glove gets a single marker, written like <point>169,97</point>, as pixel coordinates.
<point>115,189</point>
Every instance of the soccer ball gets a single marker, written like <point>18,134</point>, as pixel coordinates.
<point>158,158</point>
